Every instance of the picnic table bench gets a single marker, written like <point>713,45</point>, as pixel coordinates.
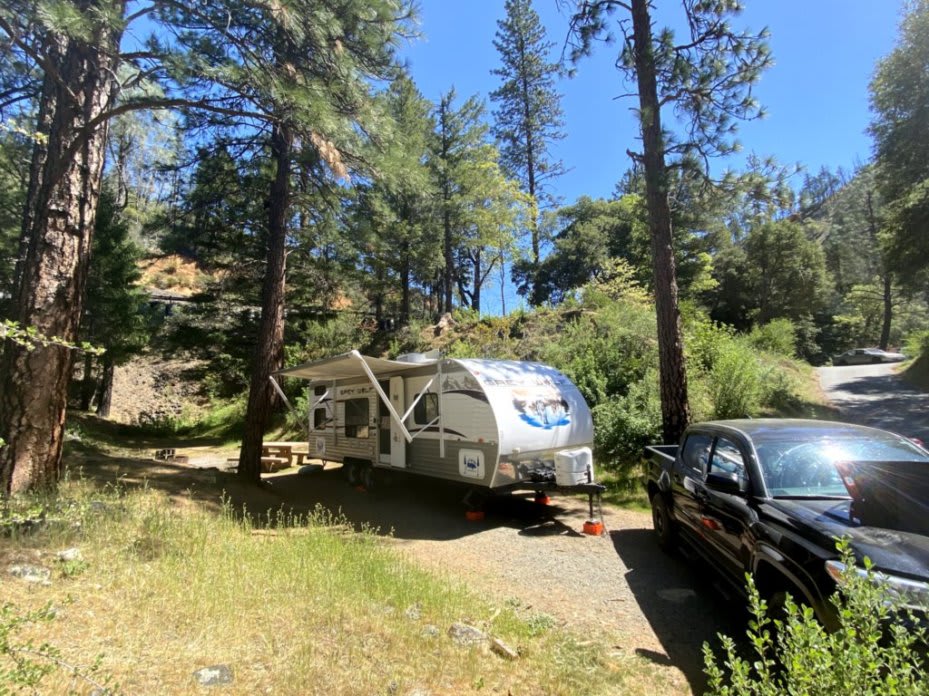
<point>279,455</point>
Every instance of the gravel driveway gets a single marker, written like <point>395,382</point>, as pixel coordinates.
<point>619,587</point>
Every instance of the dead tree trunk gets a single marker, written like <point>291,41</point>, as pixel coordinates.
<point>58,223</point>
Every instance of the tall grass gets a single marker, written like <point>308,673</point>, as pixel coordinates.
<point>293,604</point>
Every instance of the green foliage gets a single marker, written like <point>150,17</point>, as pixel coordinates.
<point>24,663</point>
<point>115,310</point>
<point>626,423</point>
<point>899,91</point>
<point>528,117</point>
<point>14,168</point>
<point>917,345</point>
<point>778,336</point>
<point>607,350</point>
<point>735,382</point>
<point>30,338</point>
<point>875,650</point>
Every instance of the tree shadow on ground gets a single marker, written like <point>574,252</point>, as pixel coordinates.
<point>406,507</point>
<point>681,602</point>
<point>885,401</point>
<point>135,437</point>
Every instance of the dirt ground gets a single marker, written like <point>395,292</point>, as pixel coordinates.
<point>618,588</point>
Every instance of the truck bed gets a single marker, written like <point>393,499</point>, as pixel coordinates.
<point>661,453</point>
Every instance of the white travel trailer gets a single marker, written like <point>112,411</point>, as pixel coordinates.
<point>500,425</point>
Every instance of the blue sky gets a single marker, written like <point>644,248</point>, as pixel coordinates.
<point>816,94</point>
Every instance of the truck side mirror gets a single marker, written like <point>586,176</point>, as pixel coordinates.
<point>725,482</point>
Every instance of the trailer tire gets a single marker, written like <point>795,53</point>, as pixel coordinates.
<point>350,468</point>
<point>368,479</point>
<point>663,523</point>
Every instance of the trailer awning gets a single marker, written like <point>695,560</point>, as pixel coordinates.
<point>350,365</point>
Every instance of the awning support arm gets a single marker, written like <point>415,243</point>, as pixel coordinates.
<point>377,387</point>
<point>417,399</point>
<point>430,423</point>
<point>280,393</point>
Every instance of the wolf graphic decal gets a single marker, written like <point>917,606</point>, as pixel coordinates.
<point>542,407</point>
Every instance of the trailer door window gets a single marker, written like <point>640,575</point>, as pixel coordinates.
<point>356,418</point>
<point>319,418</point>
<point>427,409</point>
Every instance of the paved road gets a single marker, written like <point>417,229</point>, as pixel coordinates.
<point>874,395</point>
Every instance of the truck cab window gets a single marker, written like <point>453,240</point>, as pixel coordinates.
<point>727,459</point>
<point>697,453</point>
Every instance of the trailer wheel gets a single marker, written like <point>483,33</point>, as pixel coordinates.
<point>350,468</point>
<point>368,478</point>
<point>665,531</point>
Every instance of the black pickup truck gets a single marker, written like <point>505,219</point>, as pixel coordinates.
<point>771,496</point>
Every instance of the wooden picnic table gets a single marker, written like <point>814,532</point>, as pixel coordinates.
<point>286,451</point>
<point>280,455</point>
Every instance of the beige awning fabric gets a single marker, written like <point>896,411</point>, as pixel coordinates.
<point>348,366</point>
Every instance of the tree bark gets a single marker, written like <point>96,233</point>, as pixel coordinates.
<point>477,283</point>
<point>886,280</point>
<point>675,409</point>
<point>105,394</point>
<point>58,223</point>
<point>269,352</point>
<point>88,383</point>
<point>405,280</point>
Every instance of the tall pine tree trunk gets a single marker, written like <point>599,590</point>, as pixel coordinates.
<point>61,204</point>
<point>269,352</point>
<point>886,279</point>
<point>448,255</point>
<point>88,383</point>
<point>675,409</point>
<point>105,393</point>
<point>478,282</point>
<point>405,280</point>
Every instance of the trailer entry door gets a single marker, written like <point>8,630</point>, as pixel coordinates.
<point>397,436</point>
<point>384,428</point>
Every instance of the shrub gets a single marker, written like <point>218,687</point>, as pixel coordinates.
<point>777,336</point>
<point>735,381</point>
<point>623,425</point>
<point>875,649</point>
<point>917,344</point>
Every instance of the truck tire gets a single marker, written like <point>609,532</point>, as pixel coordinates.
<point>663,523</point>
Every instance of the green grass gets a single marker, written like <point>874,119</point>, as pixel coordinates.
<point>294,604</point>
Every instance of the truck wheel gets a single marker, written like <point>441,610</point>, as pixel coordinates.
<point>665,531</point>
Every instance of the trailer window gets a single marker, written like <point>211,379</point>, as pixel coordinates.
<point>356,418</point>
<point>319,418</point>
<point>427,409</point>
<point>320,389</point>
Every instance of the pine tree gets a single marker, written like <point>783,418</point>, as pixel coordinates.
<point>707,80</point>
<point>528,117</point>
<point>899,94</point>
<point>75,48</point>
<point>304,69</point>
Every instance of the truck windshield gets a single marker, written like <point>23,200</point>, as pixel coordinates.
<point>809,469</point>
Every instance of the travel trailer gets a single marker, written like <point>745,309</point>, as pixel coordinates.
<point>499,425</point>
